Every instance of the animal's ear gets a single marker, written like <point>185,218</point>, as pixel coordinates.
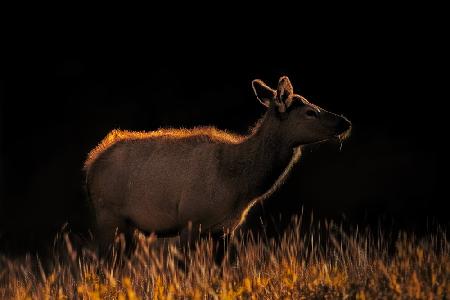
<point>284,93</point>
<point>264,93</point>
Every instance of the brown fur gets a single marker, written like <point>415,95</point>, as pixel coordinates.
<point>206,134</point>
<point>164,180</point>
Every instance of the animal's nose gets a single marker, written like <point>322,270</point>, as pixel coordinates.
<point>343,125</point>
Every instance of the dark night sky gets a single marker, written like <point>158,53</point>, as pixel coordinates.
<point>56,103</point>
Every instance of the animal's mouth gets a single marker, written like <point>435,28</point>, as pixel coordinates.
<point>344,135</point>
<point>340,137</point>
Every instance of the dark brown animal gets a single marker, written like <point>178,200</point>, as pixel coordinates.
<point>167,180</point>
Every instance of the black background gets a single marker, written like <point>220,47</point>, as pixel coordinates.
<point>59,98</point>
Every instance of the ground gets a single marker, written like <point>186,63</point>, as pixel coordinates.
<point>323,262</point>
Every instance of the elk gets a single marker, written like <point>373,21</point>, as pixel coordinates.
<point>171,180</point>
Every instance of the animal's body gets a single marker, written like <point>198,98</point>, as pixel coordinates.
<point>167,180</point>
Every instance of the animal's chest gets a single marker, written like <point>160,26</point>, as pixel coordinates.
<point>224,211</point>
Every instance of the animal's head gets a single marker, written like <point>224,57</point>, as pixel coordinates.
<point>301,122</point>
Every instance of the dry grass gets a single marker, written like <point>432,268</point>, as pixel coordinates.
<point>299,266</point>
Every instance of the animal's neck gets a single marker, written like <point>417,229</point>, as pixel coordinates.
<point>262,158</point>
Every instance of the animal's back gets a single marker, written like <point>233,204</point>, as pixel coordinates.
<point>193,136</point>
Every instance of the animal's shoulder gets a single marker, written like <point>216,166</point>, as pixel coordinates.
<point>196,135</point>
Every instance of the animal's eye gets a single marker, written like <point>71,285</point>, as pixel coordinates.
<point>312,113</point>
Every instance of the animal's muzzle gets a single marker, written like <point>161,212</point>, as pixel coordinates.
<point>343,126</point>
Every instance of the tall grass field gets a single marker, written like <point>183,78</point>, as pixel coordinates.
<point>322,262</point>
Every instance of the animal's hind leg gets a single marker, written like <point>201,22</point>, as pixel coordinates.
<point>189,236</point>
<point>108,224</point>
